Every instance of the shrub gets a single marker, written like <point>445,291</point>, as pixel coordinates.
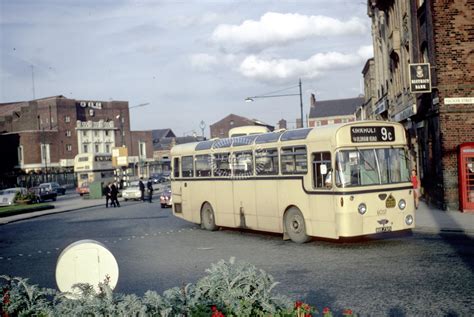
<point>230,289</point>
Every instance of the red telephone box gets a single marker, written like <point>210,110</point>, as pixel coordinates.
<point>466,176</point>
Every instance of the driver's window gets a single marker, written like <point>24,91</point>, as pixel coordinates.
<point>322,171</point>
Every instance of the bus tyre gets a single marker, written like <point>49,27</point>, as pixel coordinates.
<point>207,218</point>
<point>295,226</point>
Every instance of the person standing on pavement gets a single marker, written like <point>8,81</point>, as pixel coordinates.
<point>149,186</point>
<point>141,186</point>
<point>108,196</point>
<point>114,195</point>
<point>416,187</point>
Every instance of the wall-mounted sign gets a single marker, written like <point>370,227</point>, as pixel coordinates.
<point>420,78</point>
<point>405,113</point>
<point>459,101</point>
<point>372,134</point>
<point>91,104</point>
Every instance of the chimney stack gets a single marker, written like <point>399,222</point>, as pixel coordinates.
<point>313,101</point>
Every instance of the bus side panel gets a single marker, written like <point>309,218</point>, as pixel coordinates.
<point>291,193</point>
<point>268,215</point>
<point>224,206</point>
<point>186,200</point>
<point>323,215</point>
<point>203,191</point>
<point>245,214</point>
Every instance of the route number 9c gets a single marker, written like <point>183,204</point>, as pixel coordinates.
<point>386,135</point>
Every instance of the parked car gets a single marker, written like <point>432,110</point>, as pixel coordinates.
<point>132,192</point>
<point>43,193</point>
<point>53,186</point>
<point>166,199</point>
<point>7,196</point>
<point>84,189</point>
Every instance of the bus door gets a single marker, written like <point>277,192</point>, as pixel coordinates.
<point>322,202</point>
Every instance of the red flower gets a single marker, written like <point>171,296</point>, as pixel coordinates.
<point>214,308</point>
<point>307,315</point>
<point>326,310</point>
<point>298,304</point>
<point>348,312</point>
<point>306,307</point>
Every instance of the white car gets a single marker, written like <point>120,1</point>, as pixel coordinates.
<point>7,196</point>
<point>132,192</point>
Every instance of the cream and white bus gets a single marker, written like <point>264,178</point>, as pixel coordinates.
<point>92,167</point>
<point>334,181</point>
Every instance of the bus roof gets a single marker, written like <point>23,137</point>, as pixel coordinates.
<point>329,133</point>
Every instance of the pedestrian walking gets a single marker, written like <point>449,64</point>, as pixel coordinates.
<point>108,196</point>
<point>114,195</point>
<point>416,187</point>
<point>149,186</point>
<point>141,186</point>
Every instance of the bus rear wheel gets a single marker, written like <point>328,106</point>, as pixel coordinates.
<point>295,226</point>
<point>207,218</point>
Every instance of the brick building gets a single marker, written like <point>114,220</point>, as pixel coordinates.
<point>439,33</point>
<point>221,128</point>
<point>44,135</point>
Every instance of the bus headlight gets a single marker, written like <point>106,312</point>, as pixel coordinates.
<point>402,204</point>
<point>362,208</point>
<point>409,220</point>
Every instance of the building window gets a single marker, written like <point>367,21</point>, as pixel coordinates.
<point>107,148</point>
<point>67,119</point>
<point>20,154</point>
<point>142,149</point>
<point>45,158</point>
<point>68,132</point>
<point>318,123</point>
<point>85,148</point>
<point>96,133</point>
<point>84,133</point>
<point>68,147</point>
<point>106,132</point>
<point>97,148</point>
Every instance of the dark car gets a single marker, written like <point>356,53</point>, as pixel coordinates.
<point>53,186</point>
<point>165,199</point>
<point>43,193</point>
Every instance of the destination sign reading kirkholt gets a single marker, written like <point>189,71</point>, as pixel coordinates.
<point>372,134</point>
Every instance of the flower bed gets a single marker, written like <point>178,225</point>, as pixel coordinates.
<point>230,289</point>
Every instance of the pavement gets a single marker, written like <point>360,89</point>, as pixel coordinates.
<point>428,219</point>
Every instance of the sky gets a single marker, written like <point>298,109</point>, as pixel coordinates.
<point>191,61</point>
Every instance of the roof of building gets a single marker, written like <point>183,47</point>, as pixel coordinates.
<point>338,107</point>
<point>249,121</point>
<point>162,133</point>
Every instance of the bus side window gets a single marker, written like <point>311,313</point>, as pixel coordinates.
<point>176,167</point>
<point>322,171</point>
<point>187,166</point>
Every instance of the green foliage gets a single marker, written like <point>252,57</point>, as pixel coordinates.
<point>230,289</point>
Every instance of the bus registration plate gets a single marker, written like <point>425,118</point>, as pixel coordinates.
<point>383,229</point>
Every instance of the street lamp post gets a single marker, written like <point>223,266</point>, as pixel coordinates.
<point>271,95</point>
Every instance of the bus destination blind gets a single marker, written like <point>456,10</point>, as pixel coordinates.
<point>372,134</point>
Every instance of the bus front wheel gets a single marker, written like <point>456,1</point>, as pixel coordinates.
<point>295,226</point>
<point>207,218</point>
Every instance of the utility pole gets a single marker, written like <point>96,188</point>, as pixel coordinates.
<point>301,105</point>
